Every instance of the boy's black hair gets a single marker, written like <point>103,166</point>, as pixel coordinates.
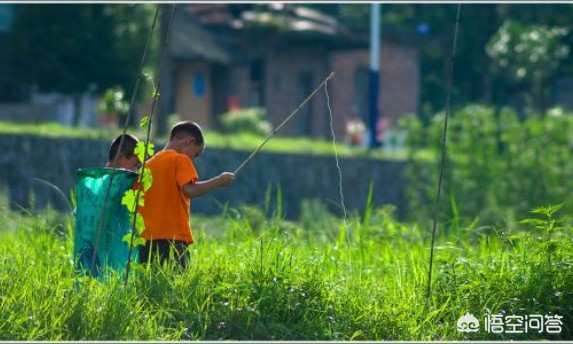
<point>127,148</point>
<point>187,128</point>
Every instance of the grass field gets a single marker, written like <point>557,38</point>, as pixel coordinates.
<point>256,276</point>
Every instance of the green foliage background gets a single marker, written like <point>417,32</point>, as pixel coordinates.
<point>68,47</point>
<point>498,167</point>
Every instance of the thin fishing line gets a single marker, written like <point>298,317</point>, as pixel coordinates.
<point>335,153</point>
<point>340,189</point>
<point>443,148</point>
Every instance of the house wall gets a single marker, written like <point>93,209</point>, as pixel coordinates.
<point>239,85</point>
<point>283,88</point>
<point>220,76</point>
<point>399,82</point>
<point>284,91</point>
<point>187,104</point>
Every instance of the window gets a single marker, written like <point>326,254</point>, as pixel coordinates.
<point>198,85</point>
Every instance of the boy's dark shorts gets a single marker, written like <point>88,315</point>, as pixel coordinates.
<point>160,250</point>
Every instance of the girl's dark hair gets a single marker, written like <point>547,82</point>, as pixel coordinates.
<point>187,128</point>
<point>127,148</point>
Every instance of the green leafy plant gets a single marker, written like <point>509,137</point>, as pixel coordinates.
<point>133,199</point>
<point>144,122</point>
<point>112,103</point>
<point>547,223</point>
<point>528,56</point>
<point>498,167</point>
<point>249,120</point>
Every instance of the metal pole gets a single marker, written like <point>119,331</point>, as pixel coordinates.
<point>374,88</point>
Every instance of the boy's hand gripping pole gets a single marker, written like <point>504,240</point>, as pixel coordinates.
<point>284,122</point>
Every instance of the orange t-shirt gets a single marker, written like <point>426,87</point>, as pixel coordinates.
<point>166,209</point>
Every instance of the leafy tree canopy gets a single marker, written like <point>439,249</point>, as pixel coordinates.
<point>479,80</point>
<point>68,48</point>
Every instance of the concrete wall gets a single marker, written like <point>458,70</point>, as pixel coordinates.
<point>25,113</point>
<point>25,158</point>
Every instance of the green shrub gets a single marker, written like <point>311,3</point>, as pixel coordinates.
<point>112,103</point>
<point>249,120</point>
<point>497,166</point>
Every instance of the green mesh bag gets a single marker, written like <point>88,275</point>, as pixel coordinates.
<point>91,189</point>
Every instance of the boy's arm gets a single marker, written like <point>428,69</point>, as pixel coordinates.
<point>200,188</point>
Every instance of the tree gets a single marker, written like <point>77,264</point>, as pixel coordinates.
<point>528,56</point>
<point>69,48</point>
<point>433,24</point>
<point>430,27</point>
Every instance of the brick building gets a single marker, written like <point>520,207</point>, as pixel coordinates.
<point>224,56</point>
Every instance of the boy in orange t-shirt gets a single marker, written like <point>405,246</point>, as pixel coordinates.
<point>167,202</point>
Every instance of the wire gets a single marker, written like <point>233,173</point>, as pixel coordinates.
<point>335,154</point>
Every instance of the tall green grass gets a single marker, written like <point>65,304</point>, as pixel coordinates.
<point>269,279</point>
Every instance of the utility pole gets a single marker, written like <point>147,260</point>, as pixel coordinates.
<point>375,38</point>
<point>164,69</point>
